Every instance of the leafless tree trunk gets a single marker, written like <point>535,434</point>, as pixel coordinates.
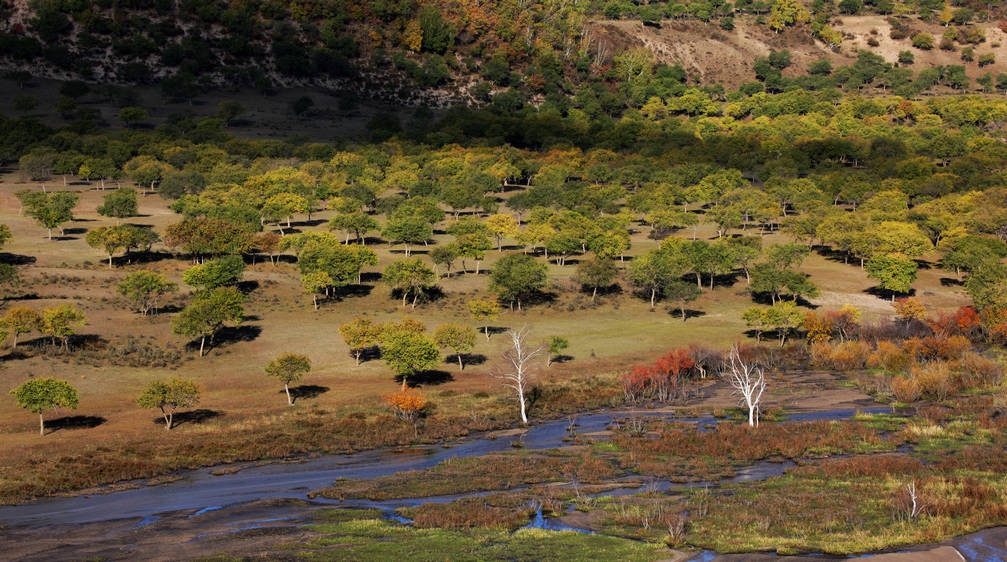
<point>520,356</point>
<point>748,381</point>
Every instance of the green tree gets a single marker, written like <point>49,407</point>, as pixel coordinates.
<point>61,322</point>
<point>652,272</point>
<point>133,116</point>
<point>502,226</point>
<point>168,396</point>
<point>409,230</point>
<point>144,289</point>
<point>123,237</point>
<point>360,334</point>
<point>458,338</point>
<point>784,317</point>
<point>893,273</point>
<point>755,318</point>
<point>516,276</point>
<point>39,395</point>
<point>51,209</point>
<point>557,345</point>
<point>18,321</point>
<point>208,313</point>
<point>484,312</point>
<point>411,276</point>
<point>316,283</point>
<point>289,368</point>
<point>598,272</point>
<point>681,293</point>
<point>444,255</point>
<point>221,272</point>
<point>229,110</point>
<point>357,223</point>
<point>119,204</point>
<point>408,352</point>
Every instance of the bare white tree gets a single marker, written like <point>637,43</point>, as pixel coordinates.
<point>748,381</point>
<point>520,376</point>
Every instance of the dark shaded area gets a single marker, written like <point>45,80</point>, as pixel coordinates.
<point>16,259</point>
<point>433,377</point>
<point>307,391</point>
<point>494,330</point>
<point>227,336</point>
<point>561,359</point>
<point>886,294</point>
<point>73,231</point>
<point>767,300</point>
<point>142,257</point>
<point>676,313</point>
<point>370,277</point>
<point>246,287</point>
<point>950,282</point>
<point>192,416</point>
<point>372,353</point>
<point>353,290</point>
<point>74,422</point>
<point>467,359</point>
<point>538,297</point>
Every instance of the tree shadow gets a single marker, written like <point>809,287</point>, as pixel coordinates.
<point>192,416</point>
<point>538,297</point>
<point>74,422</point>
<point>562,359</point>
<point>142,257</point>
<point>676,313</point>
<point>532,397</point>
<point>372,353</point>
<point>230,335</point>
<point>16,259</point>
<point>885,294</point>
<point>307,391</point>
<point>370,240</point>
<point>494,330</point>
<point>246,287</point>
<point>827,252</point>
<point>370,277</point>
<point>432,377</point>
<point>354,290</point>
<point>73,231</point>
<point>312,222</point>
<point>950,282</point>
<point>467,359</point>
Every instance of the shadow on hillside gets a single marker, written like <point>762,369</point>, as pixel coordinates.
<point>307,391</point>
<point>74,422</point>
<point>432,378</point>
<point>199,416</point>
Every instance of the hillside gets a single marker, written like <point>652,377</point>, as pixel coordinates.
<point>440,55</point>
<point>726,57</point>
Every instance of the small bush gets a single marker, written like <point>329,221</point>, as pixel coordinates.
<point>923,41</point>
<point>906,389</point>
<point>933,379</point>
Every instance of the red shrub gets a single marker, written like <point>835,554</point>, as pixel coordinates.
<point>661,381</point>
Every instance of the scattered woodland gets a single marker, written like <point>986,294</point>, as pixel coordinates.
<point>592,230</point>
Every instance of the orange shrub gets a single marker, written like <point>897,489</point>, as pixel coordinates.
<point>407,404</point>
<point>933,379</point>
<point>889,357</point>
<point>821,354</point>
<point>905,389</point>
<point>850,355</point>
<point>981,371</point>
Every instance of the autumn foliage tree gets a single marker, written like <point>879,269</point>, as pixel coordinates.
<point>662,380</point>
